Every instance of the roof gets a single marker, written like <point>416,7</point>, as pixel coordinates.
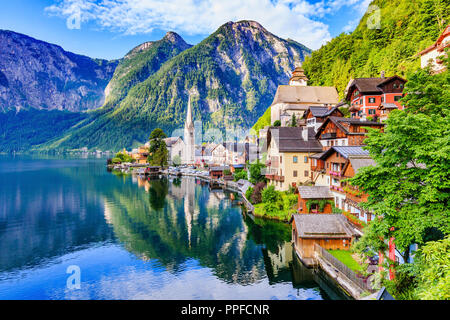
<point>321,112</point>
<point>290,139</point>
<point>369,85</point>
<point>346,152</point>
<point>361,162</point>
<point>306,94</point>
<point>171,141</point>
<point>317,155</point>
<point>344,123</point>
<point>315,192</point>
<point>222,168</point>
<point>322,226</point>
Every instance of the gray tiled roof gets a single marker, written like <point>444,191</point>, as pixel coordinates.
<point>347,151</point>
<point>290,139</point>
<point>315,192</point>
<point>360,162</point>
<point>322,226</point>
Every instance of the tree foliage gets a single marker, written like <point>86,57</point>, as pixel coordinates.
<point>158,153</point>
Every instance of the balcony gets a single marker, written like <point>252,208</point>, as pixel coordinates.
<point>275,177</point>
<point>329,135</point>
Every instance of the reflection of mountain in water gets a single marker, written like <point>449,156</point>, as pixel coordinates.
<point>45,214</point>
<point>193,223</point>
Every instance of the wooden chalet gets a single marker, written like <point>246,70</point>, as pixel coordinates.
<point>314,199</point>
<point>315,115</point>
<point>367,94</point>
<point>330,231</point>
<point>337,131</point>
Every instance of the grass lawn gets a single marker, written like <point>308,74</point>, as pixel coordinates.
<point>346,258</point>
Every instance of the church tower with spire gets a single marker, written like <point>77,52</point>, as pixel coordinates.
<point>189,138</point>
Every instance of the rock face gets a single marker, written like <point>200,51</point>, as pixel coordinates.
<point>231,77</point>
<point>39,75</point>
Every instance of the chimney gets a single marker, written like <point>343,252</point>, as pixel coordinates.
<point>382,74</point>
<point>305,134</point>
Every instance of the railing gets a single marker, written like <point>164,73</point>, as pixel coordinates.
<point>328,257</point>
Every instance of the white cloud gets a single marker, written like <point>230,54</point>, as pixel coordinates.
<point>298,19</point>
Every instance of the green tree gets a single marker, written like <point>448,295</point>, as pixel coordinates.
<point>158,153</point>
<point>409,186</point>
<point>293,120</point>
<point>257,172</point>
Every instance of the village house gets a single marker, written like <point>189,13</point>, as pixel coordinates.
<point>315,116</point>
<point>353,196</point>
<point>315,199</point>
<point>341,163</point>
<point>297,97</point>
<point>336,131</point>
<point>430,56</point>
<point>140,155</point>
<point>288,152</point>
<point>330,231</point>
<point>370,96</point>
<point>175,148</point>
<point>218,155</point>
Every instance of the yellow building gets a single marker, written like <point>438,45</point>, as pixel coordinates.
<point>288,156</point>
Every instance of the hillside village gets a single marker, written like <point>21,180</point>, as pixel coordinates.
<point>314,145</point>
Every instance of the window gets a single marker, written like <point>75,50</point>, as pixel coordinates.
<point>382,99</point>
<point>306,159</point>
<point>401,85</point>
<point>371,100</point>
<point>372,111</point>
<point>361,101</point>
<point>306,173</point>
<point>295,174</point>
<point>295,159</point>
<point>281,159</point>
<point>395,86</point>
<point>397,98</point>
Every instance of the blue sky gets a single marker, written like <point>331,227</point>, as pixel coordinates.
<point>110,28</point>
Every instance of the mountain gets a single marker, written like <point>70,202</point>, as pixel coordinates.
<point>406,27</point>
<point>231,77</point>
<point>39,75</point>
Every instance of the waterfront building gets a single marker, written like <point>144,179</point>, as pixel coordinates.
<point>297,97</point>
<point>218,155</point>
<point>288,152</point>
<point>430,56</point>
<point>366,95</point>
<point>337,131</point>
<point>330,231</point>
<point>218,172</point>
<point>315,199</point>
<point>175,147</point>
<point>189,137</point>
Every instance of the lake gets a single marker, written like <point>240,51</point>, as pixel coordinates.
<point>71,230</point>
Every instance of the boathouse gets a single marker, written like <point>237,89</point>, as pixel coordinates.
<point>217,172</point>
<point>315,199</point>
<point>330,231</point>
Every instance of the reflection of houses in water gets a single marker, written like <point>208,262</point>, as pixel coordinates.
<point>280,260</point>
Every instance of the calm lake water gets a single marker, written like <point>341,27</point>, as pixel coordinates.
<point>137,239</point>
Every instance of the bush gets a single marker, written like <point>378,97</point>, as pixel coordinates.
<point>256,196</point>
<point>270,195</point>
<point>277,123</point>
<point>248,193</point>
<point>241,174</point>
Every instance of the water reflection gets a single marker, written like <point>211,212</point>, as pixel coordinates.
<point>137,238</point>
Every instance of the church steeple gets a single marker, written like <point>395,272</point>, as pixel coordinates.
<point>189,139</point>
<point>298,77</point>
<point>189,124</point>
